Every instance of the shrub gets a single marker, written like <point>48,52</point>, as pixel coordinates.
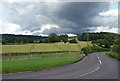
<point>73,41</point>
<point>114,55</point>
<point>116,48</point>
<point>92,49</point>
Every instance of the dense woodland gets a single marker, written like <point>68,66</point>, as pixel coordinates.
<point>96,36</point>
<point>103,39</point>
<point>21,39</point>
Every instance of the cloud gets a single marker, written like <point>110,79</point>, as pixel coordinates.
<point>105,29</point>
<point>43,18</point>
<point>109,13</point>
<point>107,21</point>
<point>71,35</point>
<point>107,18</point>
<point>9,28</point>
<point>48,26</point>
<point>44,28</point>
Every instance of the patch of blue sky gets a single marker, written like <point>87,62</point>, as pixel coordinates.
<point>115,6</point>
<point>3,17</point>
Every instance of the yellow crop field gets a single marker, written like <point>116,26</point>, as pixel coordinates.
<point>50,47</point>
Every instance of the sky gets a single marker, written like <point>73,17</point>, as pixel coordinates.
<point>43,18</point>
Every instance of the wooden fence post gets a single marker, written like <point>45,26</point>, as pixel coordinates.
<point>10,57</point>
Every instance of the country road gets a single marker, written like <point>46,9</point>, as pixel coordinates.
<point>94,66</point>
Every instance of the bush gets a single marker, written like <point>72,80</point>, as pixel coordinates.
<point>115,51</point>
<point>117,41</point>
<point>116,48</point>
<point>114,55</point>
<point>102,43</point>
<point>73,41</point>
<point>107,53</point>
<point>107,44</point>
<point>92,49</point>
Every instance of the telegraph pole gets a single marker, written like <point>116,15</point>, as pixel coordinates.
<point>88,37</point>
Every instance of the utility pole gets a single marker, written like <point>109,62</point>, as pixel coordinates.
<point>88,37</point>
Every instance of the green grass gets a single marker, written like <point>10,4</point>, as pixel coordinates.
<point>26,48</point>
<point>92,49</point>
<point>37,61</point>
<point>33,56</point>
<point>36,64</point>
<point>114,55</point>
<point>115,51</point>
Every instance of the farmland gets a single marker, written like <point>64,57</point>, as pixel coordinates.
<point>34,57</point>
<point>42,56</point>
<point>50,47</point>
<point>39,62</point>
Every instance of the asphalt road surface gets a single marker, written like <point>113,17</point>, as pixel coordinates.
<point>93,66</point>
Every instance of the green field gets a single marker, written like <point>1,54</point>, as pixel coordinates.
<point>36,56</point>
<point>33,57</point>
<point>39,62</point>
<point>26,48</point>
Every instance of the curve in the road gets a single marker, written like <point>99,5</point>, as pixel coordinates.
<point>93,66</point>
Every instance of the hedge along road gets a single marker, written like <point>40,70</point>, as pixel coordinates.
<point>94,66</point>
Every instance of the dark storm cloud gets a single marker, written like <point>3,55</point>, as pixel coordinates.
<point>81,14</point>
<point>71,17</point>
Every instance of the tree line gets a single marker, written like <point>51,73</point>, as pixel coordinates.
<point>102,39</point>
<point>11,38</point>
<point>21,39</point>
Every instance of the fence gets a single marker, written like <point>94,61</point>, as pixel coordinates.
<point>31,55</point>
<point>57,54</point>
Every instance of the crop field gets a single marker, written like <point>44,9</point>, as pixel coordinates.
<point>45,56</point>
<point>39,62</point>
<point>26,48</point>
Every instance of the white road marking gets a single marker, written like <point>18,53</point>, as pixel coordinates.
<point>88,72</point>
<point>100,61</point>
<point>92,70</point>
<point>98,57</point>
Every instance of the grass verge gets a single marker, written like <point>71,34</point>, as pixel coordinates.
<point>36,64</point>
<point>36,56</point>
<point>114,55</point>
<point>92,49</point>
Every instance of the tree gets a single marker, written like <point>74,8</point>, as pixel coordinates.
<point>64,38</point>
<point>4,41</point>
<point>107,44</point>
<point>102,43</point>
<point>53,38</point>
<point>73,41</point>
<point>45,40</point>
<point>117,41</point>
<point>95,36</point>
<point>116,47</point>
<point>30,41</point>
